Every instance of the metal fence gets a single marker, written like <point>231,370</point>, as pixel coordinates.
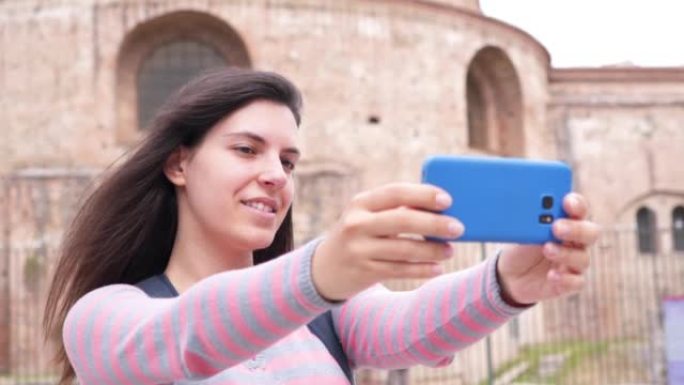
<point>610,333</point>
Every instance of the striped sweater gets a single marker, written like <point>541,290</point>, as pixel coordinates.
<point>248,326</point>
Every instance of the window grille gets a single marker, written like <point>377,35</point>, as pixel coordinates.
<point>646,230</point>
<point>168,68</point>
<point>678,228</point>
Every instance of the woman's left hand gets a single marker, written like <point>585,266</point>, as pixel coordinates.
<point>532,273</point>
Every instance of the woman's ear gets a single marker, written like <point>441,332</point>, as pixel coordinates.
<point>174,167</point>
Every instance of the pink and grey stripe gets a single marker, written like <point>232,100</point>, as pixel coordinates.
<point>248,326</point>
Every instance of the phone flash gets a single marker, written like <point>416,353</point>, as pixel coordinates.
<point>545,218</point>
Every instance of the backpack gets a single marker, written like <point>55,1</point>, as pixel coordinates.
<point>159,286</point>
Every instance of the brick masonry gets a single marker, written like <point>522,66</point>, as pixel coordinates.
<point>384,85</point>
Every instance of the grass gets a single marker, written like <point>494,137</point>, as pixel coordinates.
<point>577,353</point>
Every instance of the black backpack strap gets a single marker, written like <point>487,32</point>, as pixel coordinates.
<point>159,286</point>
<point>322,326</point>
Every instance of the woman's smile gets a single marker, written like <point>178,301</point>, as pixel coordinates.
<point>265,208</point>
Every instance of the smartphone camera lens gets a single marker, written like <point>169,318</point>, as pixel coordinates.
<point>547,202</point>
<point>546,219</point>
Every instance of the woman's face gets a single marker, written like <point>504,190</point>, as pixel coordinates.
<point>238,182</point>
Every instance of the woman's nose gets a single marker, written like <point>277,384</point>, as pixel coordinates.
<point>273,175</point>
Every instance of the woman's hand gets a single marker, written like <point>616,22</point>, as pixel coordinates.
<point>366,246</point>
<point>529,274</point>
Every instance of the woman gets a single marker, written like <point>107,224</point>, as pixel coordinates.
<point>204,204</point>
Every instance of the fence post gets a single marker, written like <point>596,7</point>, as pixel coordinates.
<point>397,377</point>
<point>488,339</point>
<point>5,294</point>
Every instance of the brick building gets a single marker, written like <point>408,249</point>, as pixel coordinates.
<point>385,82</point>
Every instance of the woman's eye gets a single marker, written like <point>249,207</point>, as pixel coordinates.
<point>245,150</point>
<point>288,165</point>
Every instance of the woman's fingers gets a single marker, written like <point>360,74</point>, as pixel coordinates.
<point>571,259</point>
<point>421,196</point>
<point>576,206</point>
<point>366,245</point>
<point>578,232</point>
<point>576,259</point>
<point>565,282</point>
<point>408,258</point>
<point>411,221</point>
<point>408,250</point>
<point>408,270</point>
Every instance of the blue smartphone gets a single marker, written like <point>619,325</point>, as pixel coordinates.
<point>505,200</point>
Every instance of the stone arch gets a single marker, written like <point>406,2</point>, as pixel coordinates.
<point>662,204</point>
<point>662,201</point>
<point>200,28</point>
<point>494,104</point>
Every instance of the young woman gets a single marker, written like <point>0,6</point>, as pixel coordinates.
<point>204,205</point>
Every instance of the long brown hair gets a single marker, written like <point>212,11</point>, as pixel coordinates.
<point>125,230</point>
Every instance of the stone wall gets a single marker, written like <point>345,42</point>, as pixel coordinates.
<point>347,80</point>
<point>622,131</point>
<point>384,84</point>
<point>38,205</point>
<point>5,295</point>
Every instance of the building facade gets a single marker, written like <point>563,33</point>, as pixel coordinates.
<point>385,83</point>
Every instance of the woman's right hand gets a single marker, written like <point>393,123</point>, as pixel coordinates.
<point>369,243</point>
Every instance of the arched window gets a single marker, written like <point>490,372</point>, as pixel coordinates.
<point>494,104</point>
<point>161,54</point>
<point>646,230</point>
<point>678,228</point>
<point>168,68</point>
<point>478,136</point>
